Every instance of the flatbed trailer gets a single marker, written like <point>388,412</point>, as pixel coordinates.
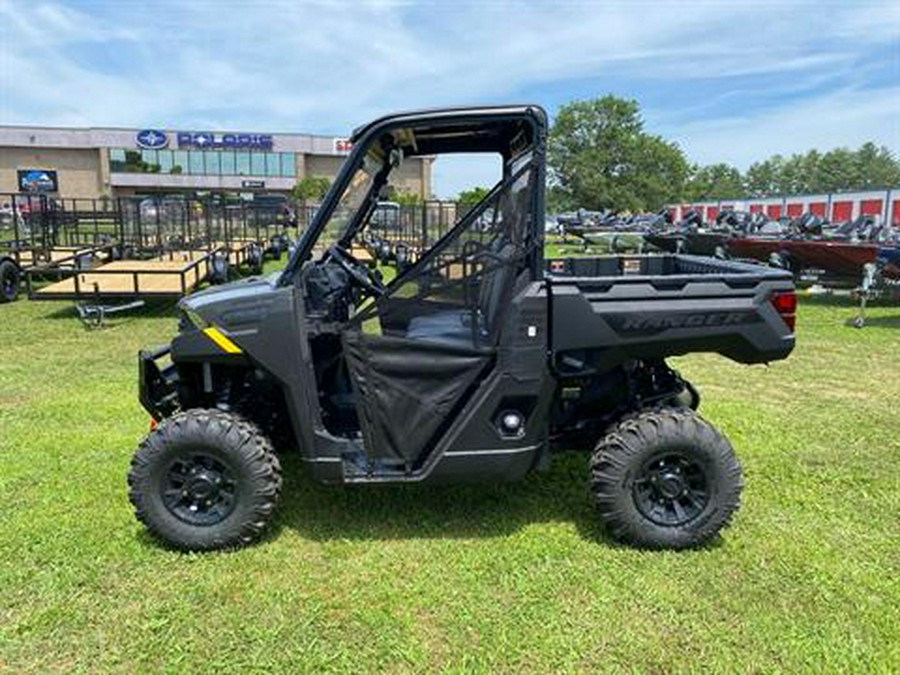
<point>172,274</point>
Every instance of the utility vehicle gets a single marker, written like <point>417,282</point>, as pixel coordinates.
<point>477,360</point>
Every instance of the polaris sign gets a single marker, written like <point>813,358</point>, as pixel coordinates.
<point>151,139</point>
<point>205,140</point>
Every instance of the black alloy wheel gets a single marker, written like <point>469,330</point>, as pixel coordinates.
<point>671,490</point>
<point>199,489</point>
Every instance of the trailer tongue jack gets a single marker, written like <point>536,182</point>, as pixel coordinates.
<point>93,315</point>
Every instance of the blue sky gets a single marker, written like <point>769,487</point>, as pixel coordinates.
<point>728,81</point>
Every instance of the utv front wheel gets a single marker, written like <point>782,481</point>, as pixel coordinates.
<point>665,478</point>
<point>203,480</point>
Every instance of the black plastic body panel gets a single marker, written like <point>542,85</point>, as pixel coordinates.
<point>661,306</point>
<point>156,386</point>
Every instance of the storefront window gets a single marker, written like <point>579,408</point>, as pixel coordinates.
<point>117,159</point>
<point>134,163</point>
<point>165,161</point>
<point>150,161</point>
<point>181,161</point>
<point>227,161</point>
<point>209,162</point>
<point>196,162</point>
<point>243,163</point>
<point>288,166</point>
<point>213,168</point>
<point>273,164</point>
<point>257,164</point>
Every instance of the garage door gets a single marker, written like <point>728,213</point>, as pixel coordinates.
<point>755,208</point>
<point>711,213</point>
<point>870,207</point>
<point>841,211</point>
<point>895,217</point>
<point>794,210</point>
<point>773,211</point>
<point>817,208</point>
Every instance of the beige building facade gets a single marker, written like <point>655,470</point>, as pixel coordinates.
<point>97,162</point>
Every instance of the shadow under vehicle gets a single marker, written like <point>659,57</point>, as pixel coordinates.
<point>477,360</point>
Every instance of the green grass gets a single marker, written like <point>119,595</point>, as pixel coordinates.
<point>460,578</point>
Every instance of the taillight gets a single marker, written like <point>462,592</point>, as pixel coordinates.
<point>153,424</point>
<point>785,303</point>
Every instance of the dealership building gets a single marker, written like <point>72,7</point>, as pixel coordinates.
<point>97,162</point>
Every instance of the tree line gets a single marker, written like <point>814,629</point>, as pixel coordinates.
<point>600,157</point>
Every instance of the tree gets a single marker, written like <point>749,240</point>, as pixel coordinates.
<point>837,170</point>
<point>404,197</point>
<point>763,178</point>
<point>876,167</point>
<point>311,189</point>
<point>714,182</point>
<point>792,179</point>
<point>600,157</point>
<point>869,167</point>
<point>471,197</point>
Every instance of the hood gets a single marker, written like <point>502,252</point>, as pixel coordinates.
<point>235,305</point>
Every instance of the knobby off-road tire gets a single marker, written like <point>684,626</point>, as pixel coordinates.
<point>204,480</point>
<point>9,281</point>
<point>665,478</point>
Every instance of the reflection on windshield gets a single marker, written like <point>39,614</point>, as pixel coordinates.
<point>354,196</point>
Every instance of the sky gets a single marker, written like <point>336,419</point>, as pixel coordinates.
<point>728,81</point>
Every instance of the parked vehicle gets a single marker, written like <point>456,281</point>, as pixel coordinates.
<point>478,361</point>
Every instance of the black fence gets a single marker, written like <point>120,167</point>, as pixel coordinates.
<point>32,226</point>
<point>39,227</point>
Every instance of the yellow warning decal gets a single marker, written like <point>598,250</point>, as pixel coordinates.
<point>222,340</point>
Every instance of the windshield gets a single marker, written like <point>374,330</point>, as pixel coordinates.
<point>354,195</point>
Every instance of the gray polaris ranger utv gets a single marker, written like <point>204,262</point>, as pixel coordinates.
<point>476,360</point>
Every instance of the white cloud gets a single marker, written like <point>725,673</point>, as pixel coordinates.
<point>328,66</point>
<point>845,118</point>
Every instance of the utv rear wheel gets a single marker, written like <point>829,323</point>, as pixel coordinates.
<point>203,480</point>
<point>665,478</point>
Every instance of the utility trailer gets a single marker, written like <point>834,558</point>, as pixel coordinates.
<point>171,274</point>
<point>159,251</point>
<point>38,230</point>
<point>165,247</point>
<point>479,360</point>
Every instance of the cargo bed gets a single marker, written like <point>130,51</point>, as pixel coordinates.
<point>655,306</point>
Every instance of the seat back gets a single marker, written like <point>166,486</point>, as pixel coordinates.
<point>501,270</point>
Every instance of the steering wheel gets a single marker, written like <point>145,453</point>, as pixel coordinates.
<point>358,272</point>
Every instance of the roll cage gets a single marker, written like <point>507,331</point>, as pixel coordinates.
<point>506,130</point>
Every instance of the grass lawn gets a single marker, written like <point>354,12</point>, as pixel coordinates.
<point>484,578</point>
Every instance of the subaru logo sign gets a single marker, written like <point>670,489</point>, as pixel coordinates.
<point>151,139</point>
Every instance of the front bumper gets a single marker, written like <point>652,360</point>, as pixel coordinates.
<point>157,383</point>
